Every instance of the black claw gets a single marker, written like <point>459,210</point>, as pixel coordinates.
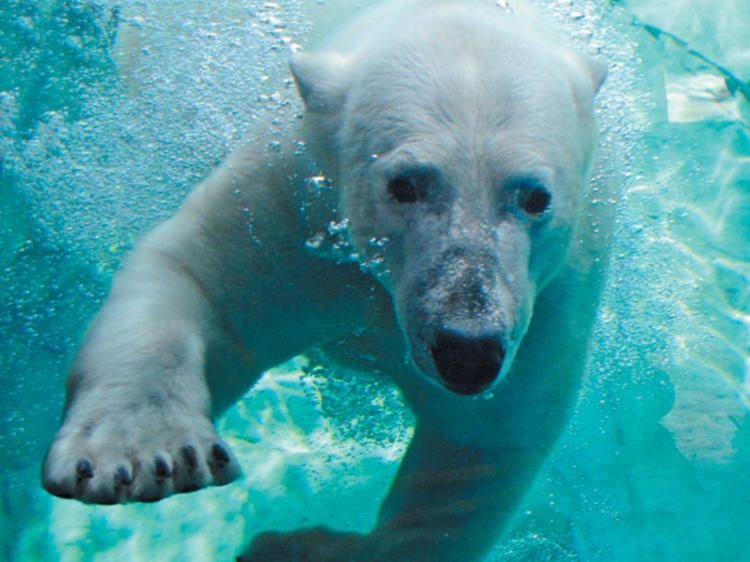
<point>162,468</point>
<point>191,458</point>
<point>123,476</point>
<point>84,470</point>
<point>220,455</point>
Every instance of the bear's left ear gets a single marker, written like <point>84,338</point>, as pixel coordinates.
<point>320,79</point>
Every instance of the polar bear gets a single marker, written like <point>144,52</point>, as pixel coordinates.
<point>452,142</point>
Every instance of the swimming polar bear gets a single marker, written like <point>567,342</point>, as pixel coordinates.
<point>452,141</point>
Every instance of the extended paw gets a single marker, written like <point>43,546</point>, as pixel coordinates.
<point>146,458</point>
<point>311,545</point>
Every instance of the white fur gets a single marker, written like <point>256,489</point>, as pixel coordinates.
<point>228,288</point>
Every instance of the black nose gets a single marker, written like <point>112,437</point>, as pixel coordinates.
<point>467,365</point>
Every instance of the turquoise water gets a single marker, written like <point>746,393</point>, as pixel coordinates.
<point>110,111</point>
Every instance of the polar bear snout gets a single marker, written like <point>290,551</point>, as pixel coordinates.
<point>467,365</point>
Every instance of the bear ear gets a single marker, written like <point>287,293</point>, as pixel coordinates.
<point>586,76</point>
<point>597,71</point>
<point>320,80</point>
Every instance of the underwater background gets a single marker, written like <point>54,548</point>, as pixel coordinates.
<point>111,110</point>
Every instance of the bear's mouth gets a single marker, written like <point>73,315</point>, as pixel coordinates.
<point>467,365</point>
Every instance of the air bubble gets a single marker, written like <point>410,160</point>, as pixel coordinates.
<point>375,242</point>
<point>315,241</point>
<point>338,227</point>
<point>316,183</point>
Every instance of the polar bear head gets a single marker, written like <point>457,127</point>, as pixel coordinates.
<point>463,140</point>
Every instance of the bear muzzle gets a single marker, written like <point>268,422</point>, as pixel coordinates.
<point>467,365</point>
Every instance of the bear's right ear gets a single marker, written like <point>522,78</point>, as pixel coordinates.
<point>320,79</point>
<point>597,71</point>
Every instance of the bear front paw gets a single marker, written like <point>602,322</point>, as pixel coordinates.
<point>144,458</point>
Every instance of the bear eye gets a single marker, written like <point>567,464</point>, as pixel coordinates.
<point>536,201</point>
<point>410,187</point>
